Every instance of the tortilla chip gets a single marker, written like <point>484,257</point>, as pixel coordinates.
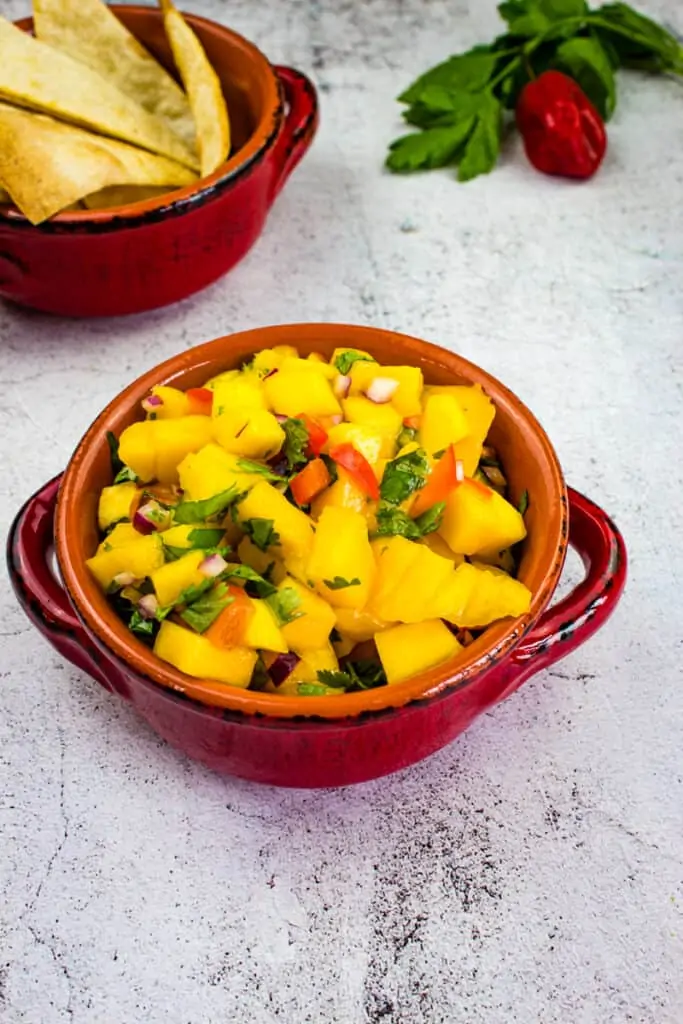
<point>46,165</point>
<point>35,76</point>
<point>203,88</point>
<point>122,195</point>
<point>90,33</point>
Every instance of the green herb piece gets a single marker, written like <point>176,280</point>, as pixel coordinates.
<point>142,627</point>
<point>116,463</point>
<point>403,476</point>
<point>468,71</point>
<point>346,359</point>
<point>439,455</point>
<point>364,674</point>
<point>407,435</point>
<point>531,18</point>
<point>331,468</point>
<point>250,466</point>
<point>394,522</point>
<point>433,147</point>
<point>315,690</point>
<point>431,520</point>
<point>339,583</point>
<point>261,532</point>
<point>284,604</point>
<point>125,475</point>
<point>205,609</point>
<point>483,145</point>
<point>255,585</point>
<point>259,677</point>
<point>195,591</point>
<point>296,442</point>
<point>338,680</point>
<point>188,512</point>
<point>523,503</point>
<point>588,63</point>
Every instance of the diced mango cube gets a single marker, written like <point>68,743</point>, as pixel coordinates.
<point>341,563</point>
<point>291,524</point>
<point>251,433</point>
<point>262,632</point>
<point>452,599</point>
<point>443,422</point>
<point>290,392</point>
<point>383,419</point>
<point>436,543</point>
<point>122,534</point>
<point>174,403</point>
<point>312,629</point>
<point>367,441</point>
<point>153,448</point>
<point>359,624</point>
<point>172,579</point>
<point>211,471</point>
<point>476,521</point>
<point>181,536</point>
<point>393,558</point>
<point>306,671</point>
<point>416,594</point>
<point>479,412</point>
<point>238,393</point>
<point>309,366</point>
<point>139,557</point>
<point>406,400</point>
<point>116,503</point>
<point>407,650</point>
<point>196,656</point>
<point>249,554</point>
<point>495,595</point>
<point>343,493</point>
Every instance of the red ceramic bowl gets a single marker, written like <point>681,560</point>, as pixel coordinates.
<point>132,258</point>
<point>324,741</point>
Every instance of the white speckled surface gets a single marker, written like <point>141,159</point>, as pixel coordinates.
<point>533,871</point>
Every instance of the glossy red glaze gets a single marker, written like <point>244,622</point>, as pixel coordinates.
<point>134,258</point>
<point>268,738</point>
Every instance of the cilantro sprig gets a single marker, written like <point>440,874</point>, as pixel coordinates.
<point>459,105</point>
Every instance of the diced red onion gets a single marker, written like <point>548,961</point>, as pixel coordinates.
<point>151,402</point>
<point>342,383</point>
<point>282,667</point>
<point>279,418</point>
<point>145,519</point>
<point>336,419</point>
<point>459,470</point>
<point>148,606</point>
<point>213,565</point>
<point>381,390</point>
<point>271,373</point>
<point>142,524</point>
<point>123,579</point>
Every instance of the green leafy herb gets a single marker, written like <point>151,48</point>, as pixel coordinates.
<point>195,591</point>
<point>346,359</point>
<point>188,512</point>
<point>250,466</point>
<point>259,677</point>
<point>339,583</point>
<point>394,522</point>
<point>116,464</point>
<point>261,532</point>
<point>523,503</point>
<point>296,442</point>
<point>315,690</point>
<point>407,435</point>
<point>125,475</point>
<point>284,604</point>
<point>338,680</point>
<point>255,585</point>
<point>431,520</point>
<point>458,105</point>
<point>364,674</point>
<point>403,476</point>
<point>145,628</point>
<point>205,609</point>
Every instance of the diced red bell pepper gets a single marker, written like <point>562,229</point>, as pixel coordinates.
<point>201,401</point>
<point>413,422</point>
<point>307,484</point>
<point>229,628</point>
<point>317,435</point>
<point>441,481</point>
<point>358,468</point>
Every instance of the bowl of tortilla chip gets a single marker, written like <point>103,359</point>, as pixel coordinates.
<point>140,152</point>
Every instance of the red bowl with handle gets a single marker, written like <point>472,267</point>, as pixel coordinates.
<point>133,258</point>
<point>317,741</point>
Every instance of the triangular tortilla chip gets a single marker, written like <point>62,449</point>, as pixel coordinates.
<point>34,75</point>
<point>90,33</point>
<point>122,195</point>
<point>46,165</point>
<point>203,88</point>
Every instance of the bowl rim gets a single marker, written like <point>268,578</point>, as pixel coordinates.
<point>113,636</point>
<point>177,201</point>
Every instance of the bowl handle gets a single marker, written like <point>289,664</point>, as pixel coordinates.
<point>566,625</point>
<point>300,124</point>
<point>30,553</point>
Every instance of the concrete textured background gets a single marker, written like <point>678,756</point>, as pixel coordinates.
<point>531,872</point>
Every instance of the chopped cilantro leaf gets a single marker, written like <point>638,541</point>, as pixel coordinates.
<point>345,361</point>
<point>364,674</point>
<point>339,583</point>
<point>124,475</point>
<point>195,591</point>
<point>205,609</point>
<point>403,476</point>
<point>250,466</point>
<point>145,628</point>
<point>188,512</point>
<point>296,442</point>
<point>523,503</point>
<point>116,464</point>
<point>315,690</point>
<point>340,680</point>
<point>394,522</point>
<point>261,532</point>
<point>407,435</point>
<point>430,520</point>
<point>255,585</point>
<point>284,603</point>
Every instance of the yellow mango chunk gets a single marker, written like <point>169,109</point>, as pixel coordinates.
<point>249,554</point>
<point>290,392</point>
<point>172,579</point>
<point>356,351</point>
<point>262,632</point>
<point>221,378</point>
<point>451,600</point>
<point>479,412</point>
<point>306,671</point>
<point>365,440</point>
<point>115,503</point>
<point>383,419</point>
<point>343,493</point>
<point>407,650</point>
<point>359,624</point>
<point>309,366</point>
<point>272,358</point>
<point>436,543</point>
<point>293,526</point>
<point>312,629</point>
<point>122,534</point>
<point>196,656</point>
<point>415,595</point>
<point>212,470</point>
<point>495,595</point>
<point>443,422</point>
<point>153,448</point>
<point>252,433</point>
<point>342,554</point>
<point>175,403</point>
<point>393,558</point>
<point>140,557</point>
<point>179,536</point>
<point>237,392</point>
<point>406,400</point>
<point>475,522</point>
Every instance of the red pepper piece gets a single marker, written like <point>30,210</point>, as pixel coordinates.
<point>307,484</point>
<point>563,132</point>
<point>201,401</point>
<point>441,481</point>
<point>317,435</point>
<point>358,468</point>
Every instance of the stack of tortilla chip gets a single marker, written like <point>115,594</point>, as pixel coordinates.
<point>89,119</point>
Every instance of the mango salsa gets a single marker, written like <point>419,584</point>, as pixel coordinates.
<point>310,527</point>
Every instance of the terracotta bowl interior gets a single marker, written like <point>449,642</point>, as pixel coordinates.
<point>249,84</point>
<point>527,455</point>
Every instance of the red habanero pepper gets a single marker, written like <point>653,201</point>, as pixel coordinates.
<point>563,132</point>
